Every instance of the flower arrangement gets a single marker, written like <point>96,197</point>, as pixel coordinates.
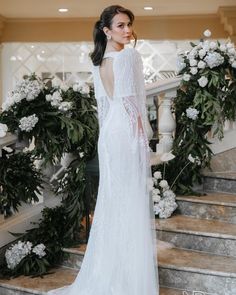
<point>23,251</point>
<point>162,194</point>
<point>59,119</point>
<point>205,100</point>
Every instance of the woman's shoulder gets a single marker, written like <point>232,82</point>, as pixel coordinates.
<point>128,56</point>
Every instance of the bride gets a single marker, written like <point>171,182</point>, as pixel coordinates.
<point>120,258</point>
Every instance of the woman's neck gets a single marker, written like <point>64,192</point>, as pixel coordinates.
<point>114,47</point>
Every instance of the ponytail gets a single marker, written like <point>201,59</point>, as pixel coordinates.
<point>100,43</point>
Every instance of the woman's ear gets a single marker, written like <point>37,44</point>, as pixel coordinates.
<point>106,31</point>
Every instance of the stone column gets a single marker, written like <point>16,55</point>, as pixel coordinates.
<point>166,124</point>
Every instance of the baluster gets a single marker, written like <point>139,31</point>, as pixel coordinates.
<point>166,124</point>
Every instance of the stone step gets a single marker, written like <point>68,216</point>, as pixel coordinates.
<point>219,182</point>
<point>197,271</point>
<point>219,206</point>
<point>212,236</point>
<point>186,269</point>
<point>60,277</point>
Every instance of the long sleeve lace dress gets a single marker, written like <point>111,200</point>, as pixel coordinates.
<point>120,258</point>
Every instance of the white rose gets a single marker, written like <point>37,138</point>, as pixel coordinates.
<point>85,89</point>
<point>164,184</point>
<point>202,53</point>
<point>207,33</point>
<point>48,97</point>
<point>203,81</point>
<point>201,64</point>
<point>193,70</point>
<point>192,113</point>
<point>193,62</point>
<point>157,175</point>
<point>186,77</point>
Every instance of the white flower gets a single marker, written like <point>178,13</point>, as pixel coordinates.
<point>231,51</point>
<point>3,130</point>
<point>27,123</point>
<point>201,64</point>
<point>207,33</point>
<point>16,253</point>
<point>150,183</point>
<point>167,157</point>
<point>76,87</point>
<point>193,62</point>
<point>156,198</point>
<point>48,97</point>
<point>7,149</point>
<point>202,53</point>
<point>56,99</point>
<point>85,89</point>
<point>65,106</point>
<point>157,175</point>
<point>229,45</point>
<point>186,77</point>
<point>194,160</point>
<point>223,47</point>
<point>169,194</point>
<point>234,64</point>
<point>81,154</point>
<point>64,87</point>
<point>164,184</point>
<point>155,191</point>
<point>193,70</point>
<point>213,45</point>
<point>192,113</point>
<point>214,59</point>
<point>202,81</point>
<point>39,250</point>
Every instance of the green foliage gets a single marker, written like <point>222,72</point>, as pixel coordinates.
<point>215,103</point>
<point>53,231</point>
<point>20,181</point>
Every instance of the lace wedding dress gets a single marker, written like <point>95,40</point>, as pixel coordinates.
<point>120,258</point>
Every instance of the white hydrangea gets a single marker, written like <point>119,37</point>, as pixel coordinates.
<point>27,123</point>
<point>155,191</point>
<point>157,175</point>
<point>164,184</point>
<point>65,106</point>
<point>192,113</point>
<point>202,81</point>
<point>166,206</point>
<point>214,59</point>
<point>193,62</point>
<point>156,198</point>
<point>202,53</point>
<point>201,64</point>
<point>193,70</point>
<point>186,77</point>
<point>39,250</point>
<point>223,47</point>
<point>56,99</point>
<point>213,45</point>
<point>16,253</point>
<point>81,87</point>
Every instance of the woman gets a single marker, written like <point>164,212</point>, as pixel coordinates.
<point>120,258</point>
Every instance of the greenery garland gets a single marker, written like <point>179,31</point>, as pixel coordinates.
<point>205,100</point>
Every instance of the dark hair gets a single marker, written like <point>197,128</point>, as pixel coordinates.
<point>99,37</point>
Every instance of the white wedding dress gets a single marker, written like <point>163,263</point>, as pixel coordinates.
<point>120,258</point>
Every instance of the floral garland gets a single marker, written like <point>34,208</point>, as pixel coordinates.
<point>204,101</point>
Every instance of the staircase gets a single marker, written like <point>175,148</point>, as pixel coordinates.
<point>201,262</point>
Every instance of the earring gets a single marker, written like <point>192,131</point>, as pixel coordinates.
<point>108,37</point>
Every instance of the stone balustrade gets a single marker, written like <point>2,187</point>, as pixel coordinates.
<point>162,93</point>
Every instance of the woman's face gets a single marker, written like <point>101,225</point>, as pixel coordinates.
<point>121,29</point>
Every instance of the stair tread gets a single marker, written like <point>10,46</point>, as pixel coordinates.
<point>229,175</point>
<point>188,260</point>
<point>60,277</point>
<point>197,261</point>
<point>197,226</point>
<point>211,198</point>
